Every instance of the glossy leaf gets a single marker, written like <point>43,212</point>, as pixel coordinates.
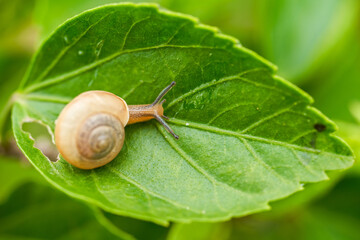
<point>247,137</point>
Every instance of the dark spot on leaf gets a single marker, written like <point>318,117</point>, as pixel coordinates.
<point>320,127</point>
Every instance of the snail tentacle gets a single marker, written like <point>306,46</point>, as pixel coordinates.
<point>166,126</point>
<point>163,93</point>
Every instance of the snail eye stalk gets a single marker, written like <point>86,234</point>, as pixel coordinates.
<point>166,126</point>
<point>163,93</point>
<point>160,118</point>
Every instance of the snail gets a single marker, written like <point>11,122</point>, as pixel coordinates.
<point>89,131</point>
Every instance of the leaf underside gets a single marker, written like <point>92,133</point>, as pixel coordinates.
<point>247,137</point>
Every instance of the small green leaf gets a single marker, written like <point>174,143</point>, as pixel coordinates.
<point>247,137</point>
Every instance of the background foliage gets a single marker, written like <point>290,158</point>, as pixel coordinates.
<point>314,43</point>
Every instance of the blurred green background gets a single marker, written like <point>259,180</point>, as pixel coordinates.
<point>315,44</point>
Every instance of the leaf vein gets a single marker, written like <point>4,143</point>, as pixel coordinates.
<point>148,191</point>
<point>96,182</point>
<point>128,93</point>
<point>177,31</point>
<point>294,139</point>
<point>249,137</point>
<point>302,162</point>
<point>210,84</point>
<point>274,115</point>
<point>130,29</point>
<point>262,162</point>
<point>65,76</point>
<point>229,109</point>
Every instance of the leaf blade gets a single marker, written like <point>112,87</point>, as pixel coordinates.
<point>247,136</point>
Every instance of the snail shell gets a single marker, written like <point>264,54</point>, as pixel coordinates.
<point>89,132</point>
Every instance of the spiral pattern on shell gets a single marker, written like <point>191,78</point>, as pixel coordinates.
<point>99,136</point>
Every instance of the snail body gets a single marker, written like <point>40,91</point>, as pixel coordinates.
<point>90,130</point>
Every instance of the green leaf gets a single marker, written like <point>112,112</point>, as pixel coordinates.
<point>247,137</point>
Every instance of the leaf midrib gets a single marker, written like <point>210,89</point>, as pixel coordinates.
<point>209,128</point>
<point>221,131</point>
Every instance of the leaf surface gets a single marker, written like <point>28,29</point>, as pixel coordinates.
<point>247,137</point>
